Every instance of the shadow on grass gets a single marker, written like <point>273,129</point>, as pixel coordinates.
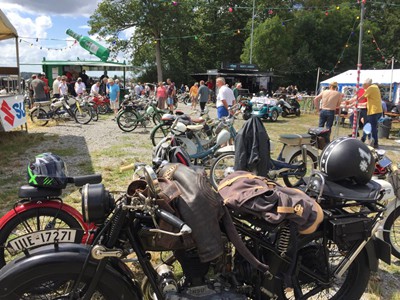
<point>17,149</point>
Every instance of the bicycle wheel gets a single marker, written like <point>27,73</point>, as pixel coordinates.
<point>83,115</point>
<point>297,158</point>
<point>157,117</point>
<point>34,219</point>
<point>159,132</point>
<point>39,117</point>
<point>222,167</point>
<point>127,121</point>
<point>391,231</point>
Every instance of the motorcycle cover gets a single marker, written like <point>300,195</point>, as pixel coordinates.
<point>248,193</point>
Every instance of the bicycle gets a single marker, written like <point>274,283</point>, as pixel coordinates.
<point>59,109</point>
<point>133,113</point>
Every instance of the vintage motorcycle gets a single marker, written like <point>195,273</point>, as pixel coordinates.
<point>289,107</point>
<point>240,255</point>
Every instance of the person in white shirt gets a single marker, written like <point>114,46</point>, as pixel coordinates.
<point>94,90</point>
<point>80,87</point>
<point>225,98</point>
<point>56,84</point>
<point>62,87</point>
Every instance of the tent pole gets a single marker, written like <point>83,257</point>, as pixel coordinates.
<point>355,118</point>
<point>391,82</point>
<point>316,84</point>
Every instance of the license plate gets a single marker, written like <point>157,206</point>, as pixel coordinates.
<point>39,238</point>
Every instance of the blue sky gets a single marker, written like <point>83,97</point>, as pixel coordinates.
<point>41,26</point>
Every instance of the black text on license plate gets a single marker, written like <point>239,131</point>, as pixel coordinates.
<point>39,238</point>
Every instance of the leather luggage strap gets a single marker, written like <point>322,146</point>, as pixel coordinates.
<point>249,176</point>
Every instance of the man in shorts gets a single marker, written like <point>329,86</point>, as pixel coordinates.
<point>114,96</point>
<point>171,92</point>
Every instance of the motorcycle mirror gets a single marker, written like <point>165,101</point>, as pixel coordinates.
<point>367,128</point>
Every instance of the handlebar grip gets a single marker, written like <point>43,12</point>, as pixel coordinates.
<point>84,179</point>
<point>173,220</point>
<point>127,168</point>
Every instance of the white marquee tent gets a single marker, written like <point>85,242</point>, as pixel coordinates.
<point>347,82</point>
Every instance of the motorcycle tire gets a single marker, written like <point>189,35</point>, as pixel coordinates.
<point>391,231</point>
<point>274,116</point>
<point>222,167</point>
<point>298,112</point>
<point>40,218</point>
<point>103,109</point>
<point>311,255</point>
<point>159,132</point>
<point>30,279</point>
<point>83,115</point>
<point>312,163</point>
<point>127,121</point>
<point>39,117</point>
<point>284,113</point>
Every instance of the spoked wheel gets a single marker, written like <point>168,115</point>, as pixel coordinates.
<point>83,115</point>
<point>315,278</point>
<point>39,117</point>
<point>103,109</point>
<point>58,280</point>
<point>36,219</point>
<point>159,132</point>
<point>391,232</point>
<point>222,167</point>
<point>297,159</point>
<point>127,121</point>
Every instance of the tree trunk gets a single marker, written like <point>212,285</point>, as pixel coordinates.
<point>158,60</point>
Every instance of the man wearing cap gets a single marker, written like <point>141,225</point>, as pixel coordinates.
<point>328,102</point>
<point>374,108</point>
<point>38,86</point>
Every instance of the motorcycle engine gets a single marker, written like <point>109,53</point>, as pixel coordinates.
<point>195,285</point>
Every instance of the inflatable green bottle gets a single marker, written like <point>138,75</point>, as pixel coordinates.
<point>93,47</point>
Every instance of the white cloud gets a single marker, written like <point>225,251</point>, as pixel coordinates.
<point>62,8</point>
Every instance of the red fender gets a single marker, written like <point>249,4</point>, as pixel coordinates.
<point>87,237</point>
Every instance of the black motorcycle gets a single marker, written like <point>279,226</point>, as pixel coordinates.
<point>244,256</point>
<point>290,106</point>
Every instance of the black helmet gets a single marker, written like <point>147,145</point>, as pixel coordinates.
<point>47,171</point>
<point>347,158</point>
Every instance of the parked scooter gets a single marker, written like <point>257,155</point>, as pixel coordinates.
<point>289,107</point>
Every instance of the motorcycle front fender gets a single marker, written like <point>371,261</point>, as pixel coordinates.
<point>230,148</point>
<point>377,249</point>
<point>63,256</point>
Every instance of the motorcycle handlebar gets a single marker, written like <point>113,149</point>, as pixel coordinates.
<point>173,220</point>
<point>84,179</point>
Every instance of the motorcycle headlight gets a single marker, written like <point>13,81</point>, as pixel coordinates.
<point>97,203</point>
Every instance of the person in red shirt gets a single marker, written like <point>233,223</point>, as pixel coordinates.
<point>46,85</point>
<point>362,108</point>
